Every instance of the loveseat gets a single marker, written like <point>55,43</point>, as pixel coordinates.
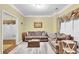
<point>41,35</point>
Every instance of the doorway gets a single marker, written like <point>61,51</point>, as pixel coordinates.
<point>10,31</point>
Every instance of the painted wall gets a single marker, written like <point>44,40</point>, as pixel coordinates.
<point>48,24</point>
<point>11,10</point>
<point>55,23</point>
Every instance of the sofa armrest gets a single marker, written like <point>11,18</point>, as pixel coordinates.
<point>24,34</point>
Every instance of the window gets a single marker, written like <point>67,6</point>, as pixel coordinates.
<point>71,27</point>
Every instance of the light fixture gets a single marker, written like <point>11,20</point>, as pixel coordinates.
<point>38,5</point>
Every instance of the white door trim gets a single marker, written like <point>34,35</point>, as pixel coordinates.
<point>16,18</point>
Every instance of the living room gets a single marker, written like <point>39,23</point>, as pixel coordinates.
<point>36,28</point>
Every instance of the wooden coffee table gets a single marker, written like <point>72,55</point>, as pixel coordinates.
<point>34,43</point>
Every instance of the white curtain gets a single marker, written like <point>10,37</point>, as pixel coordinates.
<point>76,30</point>
<point>69,27</point>
<point>62,29</point>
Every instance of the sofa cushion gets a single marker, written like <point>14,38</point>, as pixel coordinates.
<point>38,33</point>
<point>52,39</point>
<point>30,33</point>
<point>54,43</point>
<point>69,37</point>
<point>34,33</point>
<point>51,35</point>
<point>34,37</point>
<point>44,33</point>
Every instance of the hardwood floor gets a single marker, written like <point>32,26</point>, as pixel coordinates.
<point>22,48</point>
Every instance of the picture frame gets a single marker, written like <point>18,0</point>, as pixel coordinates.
<point>37,24</point>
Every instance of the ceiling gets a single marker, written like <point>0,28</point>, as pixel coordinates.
<point>39,9</point>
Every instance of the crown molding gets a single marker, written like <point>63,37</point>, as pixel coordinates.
<point>16,9</point>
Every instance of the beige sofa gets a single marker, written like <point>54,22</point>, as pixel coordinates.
<point>41,35</point>
<point>55,41</point>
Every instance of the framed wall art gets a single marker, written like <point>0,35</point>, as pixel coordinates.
<point>37,24</point>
